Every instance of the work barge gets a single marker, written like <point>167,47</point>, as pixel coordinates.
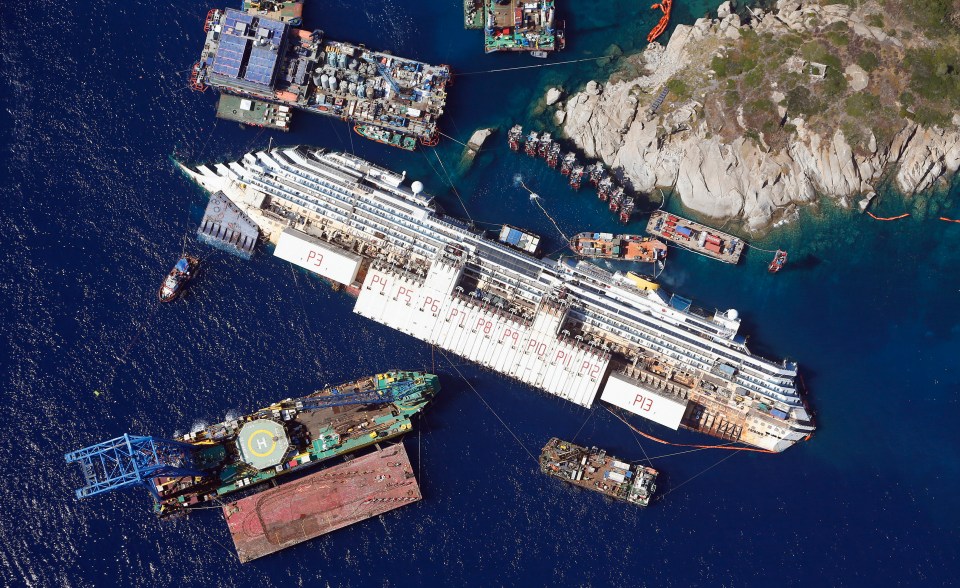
<point>566,327</point>
<point>389,99</point>
<point>594,470</point>
<point>696,237</point>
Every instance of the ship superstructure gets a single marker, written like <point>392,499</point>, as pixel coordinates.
<point>261,58</point>
<point>568,328</point>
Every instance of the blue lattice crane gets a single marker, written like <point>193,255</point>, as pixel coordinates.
<point>385,74</point>
<point>129,461</point>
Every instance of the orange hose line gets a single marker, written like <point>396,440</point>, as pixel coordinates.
<point>888,218</point>
<point>949,220</point>
<point>652,438</point>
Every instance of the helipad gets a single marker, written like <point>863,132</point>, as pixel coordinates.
<point>262,443</point>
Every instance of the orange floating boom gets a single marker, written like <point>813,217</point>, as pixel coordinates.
<point>888,218</point>
<point>665,6</point>
<point>949,220</point>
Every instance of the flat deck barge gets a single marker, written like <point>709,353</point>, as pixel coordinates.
<point>594,470</point>
<point>255,113</point>
<point>263,59</point>
<point>322,502</point>
<point>696,237</point>
<point>518,25</point>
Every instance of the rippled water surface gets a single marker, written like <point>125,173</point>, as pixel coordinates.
<point>94,214</point>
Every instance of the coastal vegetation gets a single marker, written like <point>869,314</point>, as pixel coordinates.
<point>886,64</point>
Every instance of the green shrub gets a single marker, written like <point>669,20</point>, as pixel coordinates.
<point>929,116</point>
<point>875,20</point>
<point>862,104</point>
<point>731,98</point>
<point>801,101</point>
<point>838,38</point>
<point>835,85</point>
<point>868,61</point>
<point>935,73</point>
<point>753,78</point>
<point>719,65</point>
<point>679,88</point>
<point>819,52</point>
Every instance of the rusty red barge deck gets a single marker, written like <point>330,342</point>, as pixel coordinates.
<point>317,504</point>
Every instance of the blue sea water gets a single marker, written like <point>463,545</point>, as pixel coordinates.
<point>94,213</point>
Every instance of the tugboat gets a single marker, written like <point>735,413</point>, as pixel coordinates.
<point>381,135</point>
<point>531,147</point>
<point>604,187</point>
<point>596,173</point>
<point>616,199</point>
<point>778,261</point>
<point>544,147</point>
<point>627,209</point>
<point>569,160</point>
<point>178,278</point>
<point>553,155</point>
<point>576,175</point>
<point>514,137</point>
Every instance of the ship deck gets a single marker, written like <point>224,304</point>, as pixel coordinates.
<point>282,10</point>
<point>696,237</point>
<point>328,500</point>
<point>253,112</point>
<point>473,14</point>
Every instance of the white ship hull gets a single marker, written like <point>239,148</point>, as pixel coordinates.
<point>569,330</point>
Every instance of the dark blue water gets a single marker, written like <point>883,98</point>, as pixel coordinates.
<point>94,213</point>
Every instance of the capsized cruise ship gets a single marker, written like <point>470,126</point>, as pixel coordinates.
<point>568,328</point>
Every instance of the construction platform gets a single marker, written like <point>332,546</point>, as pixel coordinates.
<point>518,25</point>
<point>317,504</point>
<point>255,113</point>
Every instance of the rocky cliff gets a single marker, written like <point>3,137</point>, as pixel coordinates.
<point>722,167</point>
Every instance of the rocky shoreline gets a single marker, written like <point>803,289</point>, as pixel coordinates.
<point>742,177</point>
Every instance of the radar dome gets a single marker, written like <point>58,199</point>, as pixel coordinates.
<point>732,314</point>
<point>417,187</point>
